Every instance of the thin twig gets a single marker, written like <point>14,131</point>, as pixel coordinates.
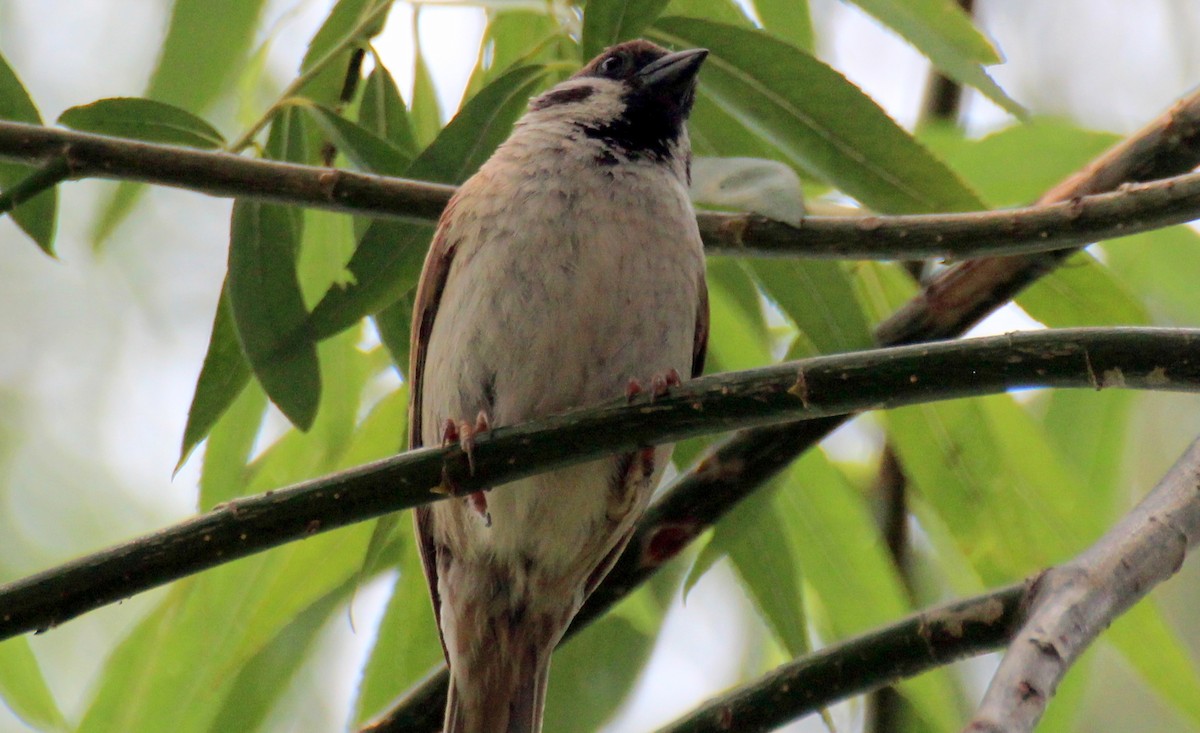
<point>1072,603</point>
<point>1074,221</point>
<point>1136,358</point>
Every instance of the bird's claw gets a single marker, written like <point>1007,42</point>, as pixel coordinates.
<point>463,433</point>
<point>660,385</point>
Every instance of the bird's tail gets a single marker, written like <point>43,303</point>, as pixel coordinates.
<point>506,696</point>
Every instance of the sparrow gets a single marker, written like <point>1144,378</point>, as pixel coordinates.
<point>568,271</point>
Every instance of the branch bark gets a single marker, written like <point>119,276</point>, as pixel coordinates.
<point>1077,219</point>
<point>949,305</point>
<point>1138,358</point>
<point>904,649</point>
<point>1072,603</point>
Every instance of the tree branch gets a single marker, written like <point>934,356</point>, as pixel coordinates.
<point>921,642</point>
<point>1052,226</point>
<point>1072,603</point>
<point>1138,358</point>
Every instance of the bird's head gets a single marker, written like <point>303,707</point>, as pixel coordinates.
<point>633,99</point>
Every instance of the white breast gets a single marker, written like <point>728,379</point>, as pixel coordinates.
<point>583,277</point>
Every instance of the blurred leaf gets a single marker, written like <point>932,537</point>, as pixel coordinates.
<point>426,109</point>
<point>394,324</point>
<point>787,19</point>
<point>335,33</point>
<point>1090,432</point>
<point>819,120</point>
<point>1158,653</point>
<point>207,42</point>
<point>942,31</point>
<point>407,647</point>
<point>847,564</point>
<point>756,538</point>
<point>520,37</point>
<point>582,694</point>
<point>1082,292</point>
<point>1161,267</point>
<point>366,150</point>
<point>383,111</point>
<point>881,287</point>
<point>37,216</point>
<point>738,336</point>
<point>143,119</point>
<point>722,11</point>
<point>223,377</point>
<point>388,260</point>
<point>266,676</point>
<point>819,298</point>
<point>227,452</point>
<point>186,656</point>
<point>609,22</point>
<point>1057,147</point>
<point>994,478</point>
<point>23,688</point>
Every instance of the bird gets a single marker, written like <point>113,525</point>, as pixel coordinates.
<point>567,271</point>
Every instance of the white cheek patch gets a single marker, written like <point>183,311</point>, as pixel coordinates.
<point>587,100</point>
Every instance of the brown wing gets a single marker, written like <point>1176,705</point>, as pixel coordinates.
<point>429,296</point>
<point>700,344</point>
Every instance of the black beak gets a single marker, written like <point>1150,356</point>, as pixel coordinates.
<point>674,74</point>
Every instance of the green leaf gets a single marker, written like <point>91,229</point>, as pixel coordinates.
<point>187,655</point>
<point>942,31</point>
<point>207,43</point>
<point>722,11</point>
<point>520,37</point>
<point>23,688</point>
<point>407,646</point>
<point>583,695</point>
<point>387,262</point>
<point>738,335</point>
<point>264,678</point>
<point>383,111</point>
<point>143,119</point>
<point>223,474</point>
<point>1161,267</point>
<point>426,109</point>
<point>337,30</point>
<point>1058,147</point>
<point>608,22</point>
<point>788,19</point>
<point>819,298</point>
<point>268,308</point>
<point>1082,292</point>
<point>223,377</point>
<point>756,537</point>
<point>846,563</point>
<point>37,216</point>
<point>366,150</point>
<point>820,121</point>
<point>1160,655</point>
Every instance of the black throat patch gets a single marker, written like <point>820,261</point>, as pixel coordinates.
<point>647,128</point>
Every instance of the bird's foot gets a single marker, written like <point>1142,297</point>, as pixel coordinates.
<point>463,433</point>
<point>660,385</point>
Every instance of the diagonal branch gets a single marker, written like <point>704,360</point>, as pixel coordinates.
<point>921,642</point>
<point>958,298</point>
<point>1074,221</point>
<point>1137,358</point>
<point>1072,603</point>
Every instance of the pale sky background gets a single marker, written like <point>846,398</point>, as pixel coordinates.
<point>99,352</point>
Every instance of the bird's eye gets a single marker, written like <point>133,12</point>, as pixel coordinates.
<point>614,66</point>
